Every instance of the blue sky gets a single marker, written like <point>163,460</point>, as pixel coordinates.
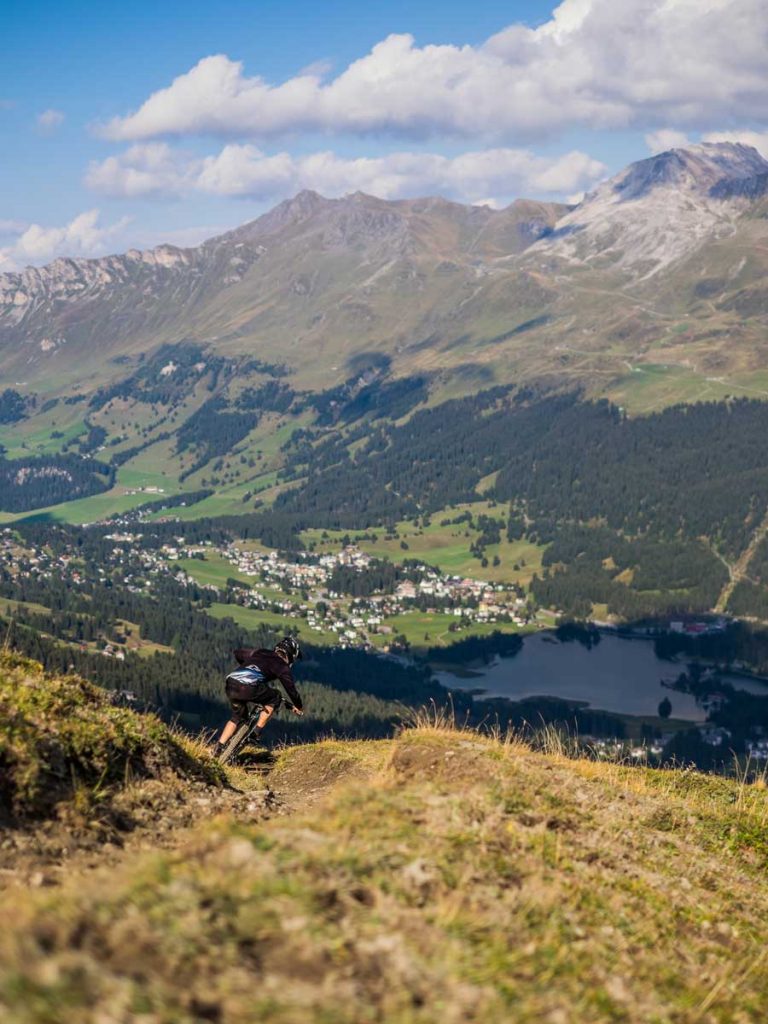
<point>128,125</point>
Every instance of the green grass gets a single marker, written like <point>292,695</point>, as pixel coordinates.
<point>133,476</point>
<point>649,387</point>
<point>109,503</point>
<point>264,445</point>
<point>446,547</point>
<point>252,618</point>
<point>540,889</point>
<point>215,570</point>
<point>62,742</point>
<point>415,626</point>
<point>9,607</point>
<point>34,436</point>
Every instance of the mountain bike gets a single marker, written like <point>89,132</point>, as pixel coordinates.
<point>243,732</point>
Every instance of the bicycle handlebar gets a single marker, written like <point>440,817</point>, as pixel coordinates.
<point>254,705</point>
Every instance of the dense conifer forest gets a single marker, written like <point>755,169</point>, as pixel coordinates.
<point>13,406</point>
<point>30,483</point>
<point>640,515</point>
<point>689,471</point>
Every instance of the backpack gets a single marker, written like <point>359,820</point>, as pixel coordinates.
<point>250,675</point>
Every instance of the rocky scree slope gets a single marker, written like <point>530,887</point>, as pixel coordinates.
<point>661,209</point>
<point>442,876</point>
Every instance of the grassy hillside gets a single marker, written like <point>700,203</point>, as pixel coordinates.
<point>441,876</point>
<point>65,747</point>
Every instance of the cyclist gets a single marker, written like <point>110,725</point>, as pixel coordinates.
<point>251,684</point>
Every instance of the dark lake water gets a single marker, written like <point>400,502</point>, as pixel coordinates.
<point>616,674</point>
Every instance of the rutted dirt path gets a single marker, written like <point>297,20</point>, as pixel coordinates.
<point>154,815</point>
<point>161,814</point>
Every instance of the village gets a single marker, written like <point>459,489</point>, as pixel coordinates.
<point>299,588</point>
<point>305,588</point>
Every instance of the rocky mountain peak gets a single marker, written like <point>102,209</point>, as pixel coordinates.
<point>301,207</point>
<point>659,210</point>
<point>699,169</point>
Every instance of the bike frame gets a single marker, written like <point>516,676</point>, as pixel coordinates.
<point>243,732</point>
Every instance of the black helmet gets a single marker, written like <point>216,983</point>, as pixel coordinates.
<point>289,646</point>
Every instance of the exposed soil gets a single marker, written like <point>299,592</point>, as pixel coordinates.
<point>159,813</point>
<point>153,814</point>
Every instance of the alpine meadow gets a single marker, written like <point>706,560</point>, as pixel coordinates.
<point>384,513</point>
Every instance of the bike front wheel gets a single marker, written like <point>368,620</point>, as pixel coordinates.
<point>238,739</point>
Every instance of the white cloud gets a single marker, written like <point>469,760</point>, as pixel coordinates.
<point>244,170</point>
<point>12,227</point>
<point>317,69</point>
<point>597,63</point>
<point>83,236</point>
<point>50,119</point>
<point>145,169</point>
<point>666,138</point>
<point>757,139</point>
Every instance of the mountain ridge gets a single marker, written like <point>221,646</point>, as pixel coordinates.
<point>433,283</point>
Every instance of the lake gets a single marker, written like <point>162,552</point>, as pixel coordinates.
<point>617,674</point>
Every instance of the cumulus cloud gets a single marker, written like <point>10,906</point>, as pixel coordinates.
<point>318,68</point>
<point>244,170</point>
<point>50,119</point>
<point>12,227</point>
<point>757,139</point>
<point>146,169</point>
<point>666,138</point>
<point>597,63</point>
<point>82,236</point>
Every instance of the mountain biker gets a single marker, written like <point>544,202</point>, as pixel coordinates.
<point>251,684</point>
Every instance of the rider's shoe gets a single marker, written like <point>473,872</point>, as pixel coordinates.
<point>218,750</point>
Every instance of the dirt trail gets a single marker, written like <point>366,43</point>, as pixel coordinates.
<point>157,814</point>
<point>160,814</point>
<point>738,571</point>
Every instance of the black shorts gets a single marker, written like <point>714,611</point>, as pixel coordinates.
<point>241,693</point>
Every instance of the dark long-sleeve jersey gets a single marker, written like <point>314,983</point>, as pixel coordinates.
<point>273,667</point>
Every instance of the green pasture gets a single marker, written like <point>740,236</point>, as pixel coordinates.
<point>214,570</point>
<point>83,510</point>
<point>649,387</point>
<point>157,463</point>
<point>446,547</point>
<point>107,504</point>
<point>423,630</point>
<point>226,501</point>
<point>263,444</point>
<point>10,607</point>
<point>35,436</point>
<point>252,618</point>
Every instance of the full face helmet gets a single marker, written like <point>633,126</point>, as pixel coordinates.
<point>289,646</point>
